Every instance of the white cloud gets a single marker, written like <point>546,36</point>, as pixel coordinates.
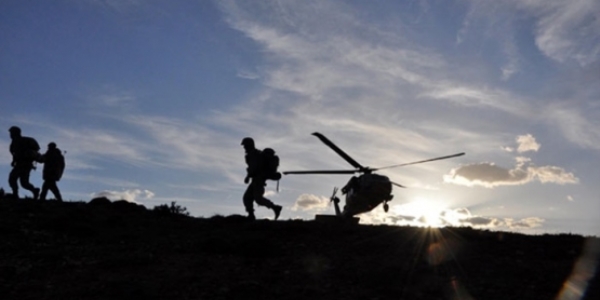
<point>270,193</point>
<point>531,222</point>
<point>480,221</point>
<point>308,202</point>
<point>489,175</point>
<point>552,174</point>
<point>502,223</point>
<point>570,198</point>
<point>134,195</point>
<point>527,143</point>
<point>486,174</point>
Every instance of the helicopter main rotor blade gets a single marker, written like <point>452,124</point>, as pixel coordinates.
<point>421,161</point>
<point>337,150</point>
<point>321,172</point>
<point>397,184</point>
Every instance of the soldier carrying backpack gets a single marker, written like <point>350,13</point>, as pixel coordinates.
<point>54,166</point>
<point>269,164</point>
<point>25,152</point>
<point>256,171</point>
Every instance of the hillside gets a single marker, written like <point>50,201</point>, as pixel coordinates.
<point>104,250</point>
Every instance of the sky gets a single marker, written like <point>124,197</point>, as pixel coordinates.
<point>151,99</point>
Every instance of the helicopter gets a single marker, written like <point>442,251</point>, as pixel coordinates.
<point>363,192</point>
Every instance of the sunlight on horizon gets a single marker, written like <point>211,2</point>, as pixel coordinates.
<point>429,213</point>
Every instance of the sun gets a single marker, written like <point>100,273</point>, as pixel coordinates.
<point>427,213</point>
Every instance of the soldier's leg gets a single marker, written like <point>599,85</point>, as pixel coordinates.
<point>259,191</point>
<point>260,199</point>
<point>45,187</point>
<point>248,200</point>
<point>55,191</point>
<point>24,180</point>
<point>13,178</point>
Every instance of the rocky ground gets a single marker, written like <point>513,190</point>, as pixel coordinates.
<point>103,250</point>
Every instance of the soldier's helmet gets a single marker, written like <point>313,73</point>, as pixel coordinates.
<point>14,130</point>
<point>248,141</point>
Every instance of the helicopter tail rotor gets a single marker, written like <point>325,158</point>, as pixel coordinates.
<point>336,202</point>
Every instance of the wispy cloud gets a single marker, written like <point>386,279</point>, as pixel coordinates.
<point>112,100</point>
<point>576,127</point>
<point>91,143</point>
<point>565,30</point>
<point>100,180</point>
<point>186,145</point>
<point>5,156</point>
<point>512,66</point>
<point>119,6</point>
<point>362,76</point>
<point>248,75</point>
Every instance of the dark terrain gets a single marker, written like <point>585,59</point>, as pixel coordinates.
<point>103,250</point>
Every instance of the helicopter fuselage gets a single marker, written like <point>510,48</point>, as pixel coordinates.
<point>365,192</point>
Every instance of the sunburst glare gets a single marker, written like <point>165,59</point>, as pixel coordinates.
<point>428,213</point>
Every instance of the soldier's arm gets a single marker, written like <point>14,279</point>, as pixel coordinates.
<point>12,153</point>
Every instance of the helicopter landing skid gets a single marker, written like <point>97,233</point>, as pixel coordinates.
<point>333,219</point>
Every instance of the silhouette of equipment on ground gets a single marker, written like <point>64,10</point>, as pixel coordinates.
<point>363,192</point>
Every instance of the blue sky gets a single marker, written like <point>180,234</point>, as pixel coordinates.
<point>151,99</point>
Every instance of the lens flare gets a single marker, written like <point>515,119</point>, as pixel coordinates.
<point>583,271</point>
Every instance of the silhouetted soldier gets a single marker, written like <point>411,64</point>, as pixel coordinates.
<point>256,189</point>
<point>54,166</point>
<point>25,151</point>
